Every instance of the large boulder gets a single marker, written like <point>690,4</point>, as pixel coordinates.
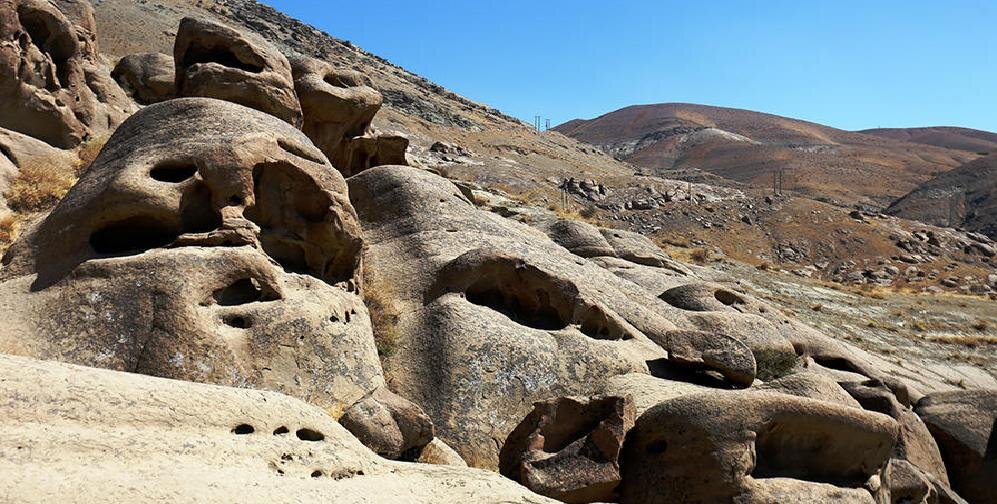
<point>568,448</point>
<point>53,85</point>
<point>148,77</point>
<point>752,447</point>
<point>217,61</point>
<point>208,242</point>
<point>75,434</point>
<point>19,151</point>
<point>390,425</point>
<point>338,107</point>
<point>964,423</point>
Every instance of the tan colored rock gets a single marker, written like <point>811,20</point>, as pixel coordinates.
<point>964,424</point>
<point>808,383</point>
<point>568,448</point>
<point>208,242</point>
<point>580,238</point>
<point>338,107</point>
<point>727,446</point>
<point>18,150</point>
<point>699,350</point>
<point>391,425</point>
<point>148,77</point>
<point>52,83</point>
<point>103,436</point>
<point>217,61</point>
<point>437,452</point>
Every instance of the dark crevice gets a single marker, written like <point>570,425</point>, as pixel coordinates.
<point>243,291</point>
<point>529,310</point>
<point>807,448</point>
<point>42,28</point>
<point>299,151</point>
<point>727,297</point>
<point>237,321</point>
<point>837,363</point>
<point>196,211</point>
<point>132,236</point>
<point>668,370</point>
<point>243,429</point>
<point>280,431</point>
<point>305,434</point>
<point>218,54</point>
<point>173,172</point>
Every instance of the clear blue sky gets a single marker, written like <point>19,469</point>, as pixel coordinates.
<point>848,64</point>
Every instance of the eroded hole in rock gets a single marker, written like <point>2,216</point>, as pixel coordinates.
<point>657,447</point>
<point>299,151</point>
<point>173,172</point>
<point>528,308</point>
<point>811,449</point>
<point>316,474</point>
<point>668,370</point>
<point>237,321</point>
<point>218,54</point>
<point>598,326</point>
<point>837,363</point>
<point>196,211</point>
<point>243,429</point>
<point>279,431</point>
<point>133,235</point>
<point>43,30</point>
<point>244,291</point>
<point>306,434</point>
<point>727,297</point>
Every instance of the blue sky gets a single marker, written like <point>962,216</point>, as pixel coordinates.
<point>848,64</point>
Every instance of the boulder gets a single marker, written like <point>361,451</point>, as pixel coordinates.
<point>807,383</point>
<point>568,448</point>
<point>964,424</point>
<point>147,77</point>
<point>391,425</point>
<point>208,242</point>
<point>580,238</point>
<point>699,350</point>
<point>437,452</point>
<point>338,107</point>
<point>216,61</point>
<point>52,84</point>
<point>635,247</point>
<point>735,446</point>
<point>105,436</point>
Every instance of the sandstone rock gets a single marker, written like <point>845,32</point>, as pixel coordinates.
<point>148,77</point>
<point>208,242</point>
<point>18,150</point>
<point>216,61</point>
<point>437,452</point>
<point>338,108</point>
<point>580,238</point>
<point>964,423</point>
<point>52,84</point>
<point>103,436</point>
<point>710,351</point>
<point>389,424</point>
<point>635,247</point>
<point>727,446</point>
<point>808,383</point>
<point>568,448</point>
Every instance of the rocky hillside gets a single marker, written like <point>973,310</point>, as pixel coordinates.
<point>948,137</point>
<point>239,277</point>
<point>965,197</point>
<point>748,147</point>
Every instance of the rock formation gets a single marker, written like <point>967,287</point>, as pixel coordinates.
<point>148,77</point>
<point>338,107</point>
<point>52,84</point>
<point>216,61</point>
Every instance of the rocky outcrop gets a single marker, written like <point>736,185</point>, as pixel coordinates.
<point>700,351</point>
<point>216,61</point>
<point>390,425</point>
<point>338,107</point>
<point>19,151</point>
<point>568,448</point>
<point>148,77</point>
<point>208,242</point>
<point>104,436</point>
<point>753,446</point>
<point>964,423</point>
<point>53,85</point>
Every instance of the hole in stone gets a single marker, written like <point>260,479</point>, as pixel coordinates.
<point>236,200</point>
<point>530,308</point>
<point>133,235</point>
<point>811,448</point>
<point>316,474</point>
<point>173,172</point>
<point>837,363</point>
<point>280,431</point>
<point>306,434</point>
<point>727,297</point>
<point>243,429</point>
<point>196,210</point>
<point>43,30</point>
<point>237,321</point>
<point>669,370</point>
<point>244,291</point>
<point>657,447</point>
<point>211,53</point>
<point>299,151</point>
<point>346,316</point>
<point>598,326</point>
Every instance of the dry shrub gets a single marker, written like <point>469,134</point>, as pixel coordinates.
<point>700,255</point>
<point>9,225</point>
<point>963,339</point>
<point>38,187</point>
<point>379,296</point>
<point>87,152</point>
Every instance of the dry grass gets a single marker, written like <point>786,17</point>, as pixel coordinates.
<point>87,152</point>
<point>38,187</point>
<point>379,296</point>
<point>9,227</point>
<point>967,340</point>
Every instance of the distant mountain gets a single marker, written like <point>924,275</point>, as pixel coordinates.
<point>942,136</point>
<point>965,197</point>
<point>748,147</point>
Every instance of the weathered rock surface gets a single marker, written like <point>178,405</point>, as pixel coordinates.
<point>964,423</point>
<point>718,352</point>
<point>568,448</point>
<point>742,446</point>
<point>148,77</point>
<point>208,242</point>
<point>53,86</point>
<point>338,107</point>
<point>390,425</point>
<point>216,61</point>
<point>18,151</point>
<point>74,434</point>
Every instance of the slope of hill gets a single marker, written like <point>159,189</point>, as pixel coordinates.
<point>942,136</point>
<point>749,147</point>
<point>965,197</point>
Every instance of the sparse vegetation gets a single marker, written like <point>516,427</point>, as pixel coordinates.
<point>379,296</point>
<point>87,152</point>
<point>38,187</point>
<point>967,340</point>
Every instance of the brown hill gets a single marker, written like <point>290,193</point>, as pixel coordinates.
<point>965,197</point>
<point>942,136</point>
<point>748,147</point>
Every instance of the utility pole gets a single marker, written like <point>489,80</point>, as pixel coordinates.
<point>546,124</point>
